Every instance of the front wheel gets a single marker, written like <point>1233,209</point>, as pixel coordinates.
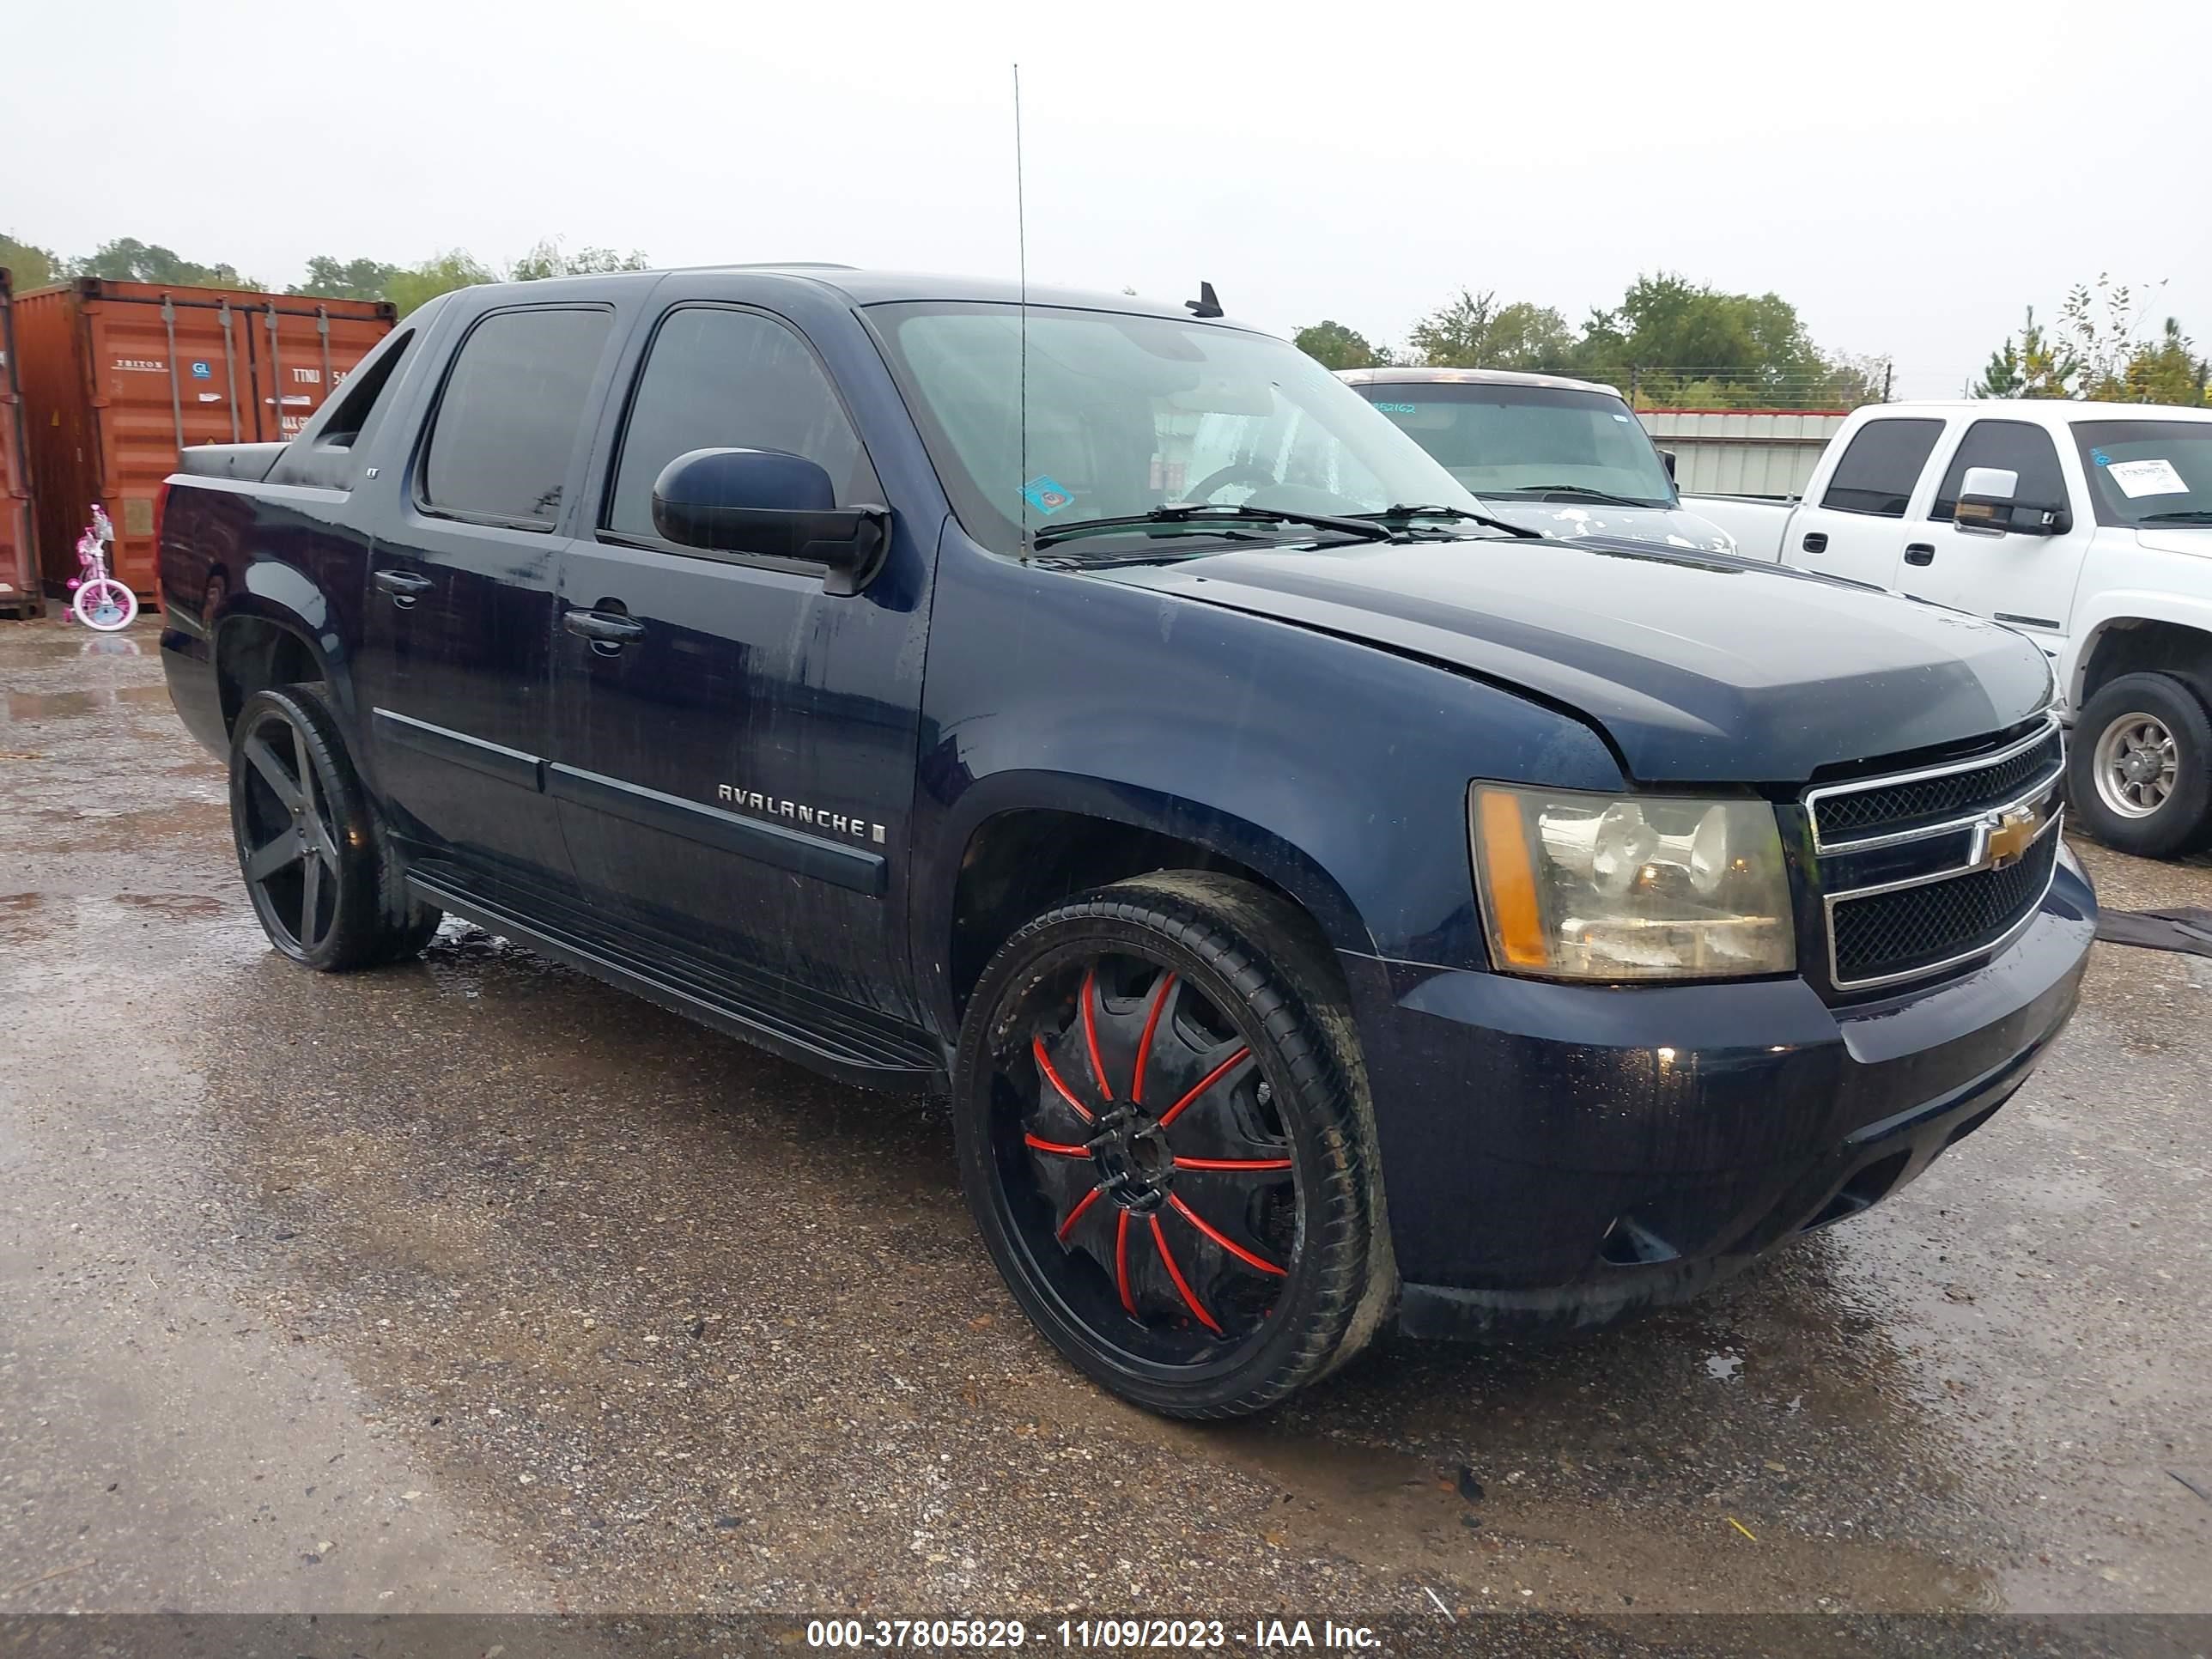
<point>2141,769</point>
<point>1165,1137</point>
<point>104,604</point>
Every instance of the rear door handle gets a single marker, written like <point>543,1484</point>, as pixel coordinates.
<point>403,586</point>
<point>600,628</point>
<point>1816,541</point>
<point>1920,553</point>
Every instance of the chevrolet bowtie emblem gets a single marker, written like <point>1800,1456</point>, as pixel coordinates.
<point>2009,836</point>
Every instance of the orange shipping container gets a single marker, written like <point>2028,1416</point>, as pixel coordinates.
<point>119,377</point>
<point>18,559</point>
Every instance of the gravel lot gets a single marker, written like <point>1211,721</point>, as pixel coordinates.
<point>472,1284</point>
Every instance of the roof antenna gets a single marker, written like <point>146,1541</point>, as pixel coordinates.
<point>1205,304</point>
<point>1022,256</point>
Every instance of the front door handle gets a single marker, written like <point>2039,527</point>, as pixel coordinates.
<point>404,586</point>
<point>1920,553</point>
<point>600,628</point>
<point>1816,541</point>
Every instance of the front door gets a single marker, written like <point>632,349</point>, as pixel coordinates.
<point>734,749</point>
<point>2027,581</point>
<point>1856,528</point>
<point>454,676</point>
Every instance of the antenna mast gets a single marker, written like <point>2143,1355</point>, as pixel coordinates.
<point>1021,259</point>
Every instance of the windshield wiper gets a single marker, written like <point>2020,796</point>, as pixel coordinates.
<point>1576,492</point>
<point>1205,514</point>
<point>1395,516</point>
<point>2183,515</point>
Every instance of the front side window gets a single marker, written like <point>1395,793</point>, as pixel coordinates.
<point>1878,471</point>
<point>2149,473</point>
<point>1127,413</point>
<point>1529,443</point>
<point>506,423</point>
<point>720,379</point>
<point>2015,445</point>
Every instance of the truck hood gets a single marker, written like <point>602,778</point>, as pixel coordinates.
<point>1700,668</point>
<point>1614,526</point>
<point>2176,539</point>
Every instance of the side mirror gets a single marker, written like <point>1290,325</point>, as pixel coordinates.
<point>1667,461</point>
<point>766,503</point>
<point>1987,501</point>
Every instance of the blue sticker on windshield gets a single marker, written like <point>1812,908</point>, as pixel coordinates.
<point>1047,495</point>
<point>2100,457</point>
<point>1399,409</point>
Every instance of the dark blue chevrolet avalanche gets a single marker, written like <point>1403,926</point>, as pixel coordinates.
<point>1322,902</point>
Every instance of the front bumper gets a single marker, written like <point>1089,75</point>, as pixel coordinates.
<point>1556,1157</point>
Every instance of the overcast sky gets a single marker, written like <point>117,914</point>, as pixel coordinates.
<point>1909,176</point>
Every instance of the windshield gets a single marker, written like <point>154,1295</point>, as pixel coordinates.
<point>1523,442</point>
<point>2147,473</point>
<point>1130,413</point>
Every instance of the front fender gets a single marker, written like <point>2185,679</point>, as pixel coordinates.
<point>2112,606</point>
<point>1337,769</point>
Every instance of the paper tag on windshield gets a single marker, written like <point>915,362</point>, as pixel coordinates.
<point>2146,478</point>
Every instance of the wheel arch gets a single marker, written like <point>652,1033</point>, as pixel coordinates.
<point>256,643</point>
<point>1028,840</point>
<point>2143,632</point>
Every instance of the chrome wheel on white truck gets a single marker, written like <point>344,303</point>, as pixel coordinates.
<point>2141,766</point>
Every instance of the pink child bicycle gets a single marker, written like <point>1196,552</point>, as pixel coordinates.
<point>99,601</point>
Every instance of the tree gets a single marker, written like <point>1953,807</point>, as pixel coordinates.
<point>2168,371</point>
<point>1690,344</point>
<point>1333,345</point>
<point>355,279</point>
<point>2034,366</point>
<point>2100,320</point>
<point>130,260</point>
<point>547,259</point>
<point>1475,331</point>
<point>442,273</point>
<point>28,266</point>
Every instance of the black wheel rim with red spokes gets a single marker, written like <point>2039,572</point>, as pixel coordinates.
<point>286,848</point>
<point>1144,1166</point>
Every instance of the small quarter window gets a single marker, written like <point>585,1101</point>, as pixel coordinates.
<point>362,388</point>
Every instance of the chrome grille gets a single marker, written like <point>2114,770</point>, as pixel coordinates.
<point>1870,811</point>
<point>1914,929</point>
<point>1901,903</point>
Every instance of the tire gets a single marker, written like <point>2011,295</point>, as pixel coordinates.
<point>1163,1133</point>
<point>317,866</point>
<point>2139,776</point>
<point>104,606</point>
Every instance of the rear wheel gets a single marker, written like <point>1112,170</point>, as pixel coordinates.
<point>1164,1138</point>
<point>321,878</point>
<point>2141,766</point>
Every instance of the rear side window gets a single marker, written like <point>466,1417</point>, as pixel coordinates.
<point>2014,445</point>
<point>1877,472</point>
<point>719,378</point>
<point>507,423</point>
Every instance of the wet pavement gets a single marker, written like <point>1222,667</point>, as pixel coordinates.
<point>473,1284</point>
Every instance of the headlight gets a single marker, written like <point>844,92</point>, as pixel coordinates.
<point>1576,886</point>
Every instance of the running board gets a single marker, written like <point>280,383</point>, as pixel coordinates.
<point>902,1063</point>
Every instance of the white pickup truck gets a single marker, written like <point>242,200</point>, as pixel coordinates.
<point>2086,526</point>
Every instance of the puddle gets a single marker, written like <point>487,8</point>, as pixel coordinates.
<point>26,705</point>
<point>173,904</point>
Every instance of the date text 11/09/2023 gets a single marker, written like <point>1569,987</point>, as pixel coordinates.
<point>943,1634</point>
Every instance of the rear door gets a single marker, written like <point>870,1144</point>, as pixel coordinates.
<point>735,775</point>
<point>2027,581</point>
<point>454,674</point>
<point>1857,526</point>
